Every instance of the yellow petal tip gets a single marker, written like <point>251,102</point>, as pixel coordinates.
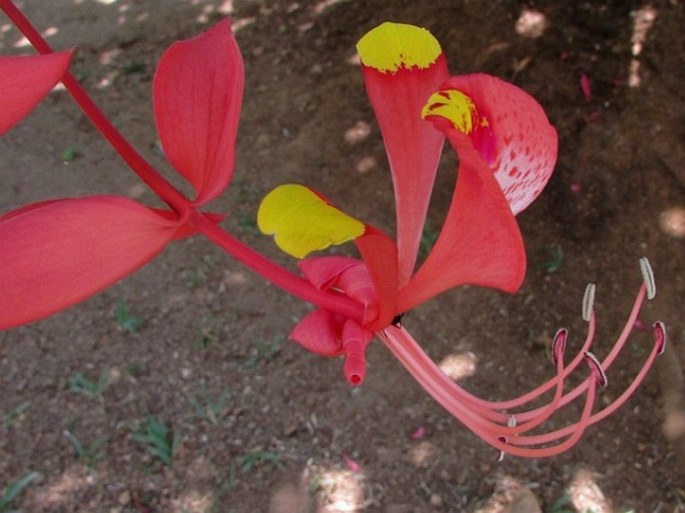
<point>301,221</point>
<point>455,107</point>
<point>391,46</point>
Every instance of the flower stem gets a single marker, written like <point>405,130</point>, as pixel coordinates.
<point>162,187</point>
<point>278,275</point>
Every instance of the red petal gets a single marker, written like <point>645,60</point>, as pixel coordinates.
<point>323,272</point>
<point>518,143</point>
<point>380,256</point>
<point>198,89</point>
<point>55,254</point>
<point>320,332</point>
<point>480,243</point>
<point>25,80</point>
<point>412,144</point>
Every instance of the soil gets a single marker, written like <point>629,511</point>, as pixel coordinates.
<point>265,426</point>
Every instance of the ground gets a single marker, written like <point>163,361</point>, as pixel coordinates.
<point>198,344</point>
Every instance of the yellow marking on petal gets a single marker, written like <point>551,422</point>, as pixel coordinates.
<point>455,107</point>
<point>302,221</point>
<point>390,46</point>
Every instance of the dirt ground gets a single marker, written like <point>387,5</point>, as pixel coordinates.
<point>197,343</point>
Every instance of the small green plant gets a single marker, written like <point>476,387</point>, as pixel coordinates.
<point>224,487</point>
<point>208,407</point>
<point>126,320</point>
<point>14,489</point>
<point>247,225</point>
<point>555,257</point>
<point>160,441</point>
<point>208,335</point>
<point>69,154</point>
<point>428,238</point>
<point>266,349</point>
<point>89,454</point>
<point>15,413</point>
<point>135,368</point>
<point>83,385</point>
<point>193,278</point>
<point>253,458</point>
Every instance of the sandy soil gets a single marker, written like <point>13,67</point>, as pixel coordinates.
<point>264,426</point>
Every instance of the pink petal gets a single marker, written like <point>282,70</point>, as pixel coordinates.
<point>198,90</point>
<point>320,332</point>
<point>413,146</point>
<point>55,254</point>
<point>519,144</point>
<point>480,242</point>
<point>25,80</point>
<point>586,86</point>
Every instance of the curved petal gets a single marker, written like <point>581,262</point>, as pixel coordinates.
<point>198,89</point>
<point>302,220</point>
<point>379,253</point>
<point>25,80</point>
<point>402,66</point>
<point>55,254</point>
<point>323,272</point>
<point>515,136</point>
<point>320,332</point>
<point>480,242</point>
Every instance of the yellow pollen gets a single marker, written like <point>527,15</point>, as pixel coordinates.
<point>390,46</point>
<point>455,107</point>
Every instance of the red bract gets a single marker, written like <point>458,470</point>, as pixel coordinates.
<point>24,81</point>
<point>54,254</point>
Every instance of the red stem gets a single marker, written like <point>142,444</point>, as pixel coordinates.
<point>278,275</point>
<point>128,153</point>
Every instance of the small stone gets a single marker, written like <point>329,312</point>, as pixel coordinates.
<point>124,498</point>
<point>436,501</point>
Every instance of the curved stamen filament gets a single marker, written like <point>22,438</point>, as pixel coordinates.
<point>505,430</point>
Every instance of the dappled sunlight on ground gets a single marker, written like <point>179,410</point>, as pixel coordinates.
<point>585,493</point>
<point>672,222</point>
<point>643,19</point>
<point>459,365</point>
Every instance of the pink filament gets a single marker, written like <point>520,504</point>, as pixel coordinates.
<point>490,420</point>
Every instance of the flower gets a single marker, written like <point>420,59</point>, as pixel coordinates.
<point>56,253</point>
<point>507,150</point>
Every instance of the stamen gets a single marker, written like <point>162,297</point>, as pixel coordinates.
<point>511,421</point>
<point>596,367</point>
<point>648,276</point>
<point>559,345</point>
<point>660,336</point>
<point>588,301</point>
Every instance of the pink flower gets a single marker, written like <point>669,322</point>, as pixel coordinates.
<point>56,253</point>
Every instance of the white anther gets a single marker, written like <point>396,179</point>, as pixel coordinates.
<point>648,276</point>
<point>588,301</point>
<point>595,364</point>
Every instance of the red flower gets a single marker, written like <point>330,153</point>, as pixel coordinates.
<point>507,151</point>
